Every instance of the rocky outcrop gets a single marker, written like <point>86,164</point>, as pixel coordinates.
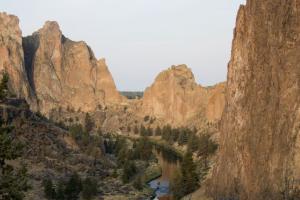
<point>51,71</point>
<point>12,57</point>
<point>177,98</point>
<point>64,73</point>
<point>259,155</point>
<point>216,103</point>
<point>106,84</point>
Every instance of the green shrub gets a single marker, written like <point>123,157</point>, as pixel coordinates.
<point>73,187</point>
<point>49,189</point>
<point>89,188</point>
<point>129,170</point>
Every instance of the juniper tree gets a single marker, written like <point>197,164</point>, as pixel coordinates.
<point>49,189</point>
<point>73,187</point>
<point>189,176</point>
<point>88,123</point>
<point>89,188</point>
<point>136,129</point>
<point>129,170</point>
<point>143,131</point>
<point>158,131</point>
<point>13,182</point>
<point>4,86</point>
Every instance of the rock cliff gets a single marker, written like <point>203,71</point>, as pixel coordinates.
<point>216,102</point>
<point>177,98</point>
<point>51,71</point>
<point>259,155</point>
<point>65,73</point>
<point>12,57</point>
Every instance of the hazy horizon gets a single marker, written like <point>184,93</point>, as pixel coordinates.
<point>140,38</point>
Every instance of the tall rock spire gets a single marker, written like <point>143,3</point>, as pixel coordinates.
<point>66,73</point>
<point>12,58</point>
<point>259,151</point>
<point>51,71</point>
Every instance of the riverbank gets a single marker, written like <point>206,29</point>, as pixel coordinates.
<point>152,172</point>
<point>179,165</point>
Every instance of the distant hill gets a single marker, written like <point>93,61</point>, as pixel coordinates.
<point>132,95</point>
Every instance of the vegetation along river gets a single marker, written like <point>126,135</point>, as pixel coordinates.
<point>169,162</point>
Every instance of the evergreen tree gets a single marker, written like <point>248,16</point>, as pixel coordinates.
<point>13,182</point>
<point>49,189</point>
<point>158,131</point>
<point>143,131</point>
<point>166,133</point>
<point>136,130</point>
<point>123,155</point>
<point>4,86</point>
<point>176,185</point>
<point>129,170</point>
<point>76,131</point>
<point>73,187</point>
<point>120,143</point>
<point>193,143</point>
<point>207,147</point>
<point>189,175</point>
<point>149,131</point>
<point>183,137</point>
<point>89,188</point>
<point>88,123</point>
<point>60,191</point>
<point>109,145</point>
<point>195,130</point>
<point>143,149</point>
<point>174,135</point>
<point>128,129</point>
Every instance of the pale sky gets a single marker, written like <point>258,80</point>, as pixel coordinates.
<point>140,38</point>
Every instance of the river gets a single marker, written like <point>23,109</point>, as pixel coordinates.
<point>169,166</point>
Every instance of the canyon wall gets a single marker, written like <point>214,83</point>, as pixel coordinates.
<point>177,98</point>
<point>52,71</point>
<point>259,155</point>
<point>12,57</point>
<point>65,73</point>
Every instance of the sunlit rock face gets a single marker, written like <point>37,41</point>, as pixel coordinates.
<point>52,71</point>
<point>12,57</point>
<point>259,155</point>
<point>216,103</point>
<point>65,73</point>
<point>177,98</point>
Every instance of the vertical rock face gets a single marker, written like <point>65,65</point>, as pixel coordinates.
<point>259,155</point>
<point>52,71</point>
<point>176,97</point>
<point>105,84</point>
<point>12,57</point>
<point>216,103</point>
<point>65,73</point>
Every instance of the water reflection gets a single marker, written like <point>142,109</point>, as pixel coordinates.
<point>162,188</point>
<point>169,162</point>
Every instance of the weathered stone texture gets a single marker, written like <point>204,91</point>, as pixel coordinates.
<point>259,151</point>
